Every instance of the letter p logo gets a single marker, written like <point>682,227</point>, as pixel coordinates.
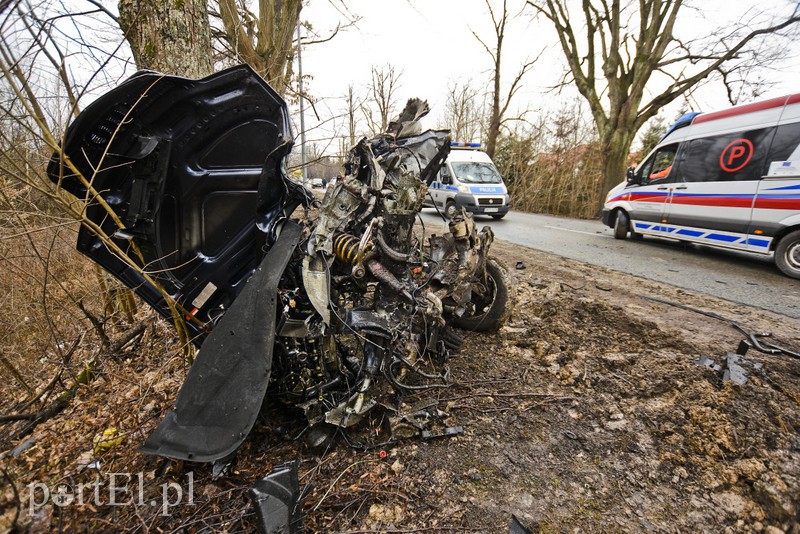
<point>736,155</point>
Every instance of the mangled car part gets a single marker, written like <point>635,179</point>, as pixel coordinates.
<point>278,501</point>
<point>756,340</point>
<point>331,315</point>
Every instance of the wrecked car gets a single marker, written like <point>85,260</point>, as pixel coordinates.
<point>330,306</point>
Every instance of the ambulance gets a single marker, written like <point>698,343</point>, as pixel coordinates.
<point>728,179</point>
<point>468,179</point>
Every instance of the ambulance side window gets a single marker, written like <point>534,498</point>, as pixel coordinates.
<point>786,145</point>
<point>726,158</point>
<point>659,167</point>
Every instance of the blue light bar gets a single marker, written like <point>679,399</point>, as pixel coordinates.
<point>467,145</point>
<point>684,120</point>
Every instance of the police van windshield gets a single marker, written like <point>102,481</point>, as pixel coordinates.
<point>473,172</point>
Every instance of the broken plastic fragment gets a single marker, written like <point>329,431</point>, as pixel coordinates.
<point>277,500</point>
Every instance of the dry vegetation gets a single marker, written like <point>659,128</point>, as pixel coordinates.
<point>554,166</point>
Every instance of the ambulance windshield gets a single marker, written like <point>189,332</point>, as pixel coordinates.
<point>472,172</point>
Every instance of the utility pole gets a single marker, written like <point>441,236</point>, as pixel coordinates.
<point>302,110</point>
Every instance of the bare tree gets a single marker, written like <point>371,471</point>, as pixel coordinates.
<point>500,103</point>
<point>462,111</point>
<point>264,40</point>
<point>627,44</point>
<point>352,106</point>
<point>170,37</point>
<point>383,91</point>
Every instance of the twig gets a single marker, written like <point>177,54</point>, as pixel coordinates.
<point>16,374</point>
<point>17,417</point>
<point>129,335</point>
<point>500,395</point>
<point>50,385</point>
<point>98,325</point>
<point>346,469</point>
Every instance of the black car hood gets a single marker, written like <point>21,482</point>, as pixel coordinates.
<point>195,171</point>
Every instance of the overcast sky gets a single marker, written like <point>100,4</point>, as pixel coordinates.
<point>433,44</point>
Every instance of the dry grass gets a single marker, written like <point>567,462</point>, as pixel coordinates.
<point>50,297</point>
<point>565,184</point>
<point>555,165</point>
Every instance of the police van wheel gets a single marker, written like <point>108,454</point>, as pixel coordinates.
<point>450,209</point>
<point>621,225</point>
<point>787,254</point>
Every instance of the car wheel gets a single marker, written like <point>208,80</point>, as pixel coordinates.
<point>493,301</point>
<point>450,209</point>
<point>498,216</point>
<point>787,254</point>
<point>621,225</point>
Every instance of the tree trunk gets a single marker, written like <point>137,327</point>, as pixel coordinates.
<point>615,145</point>
<point>494,120</point>
<point>494,129</point>
<point>172,37</point>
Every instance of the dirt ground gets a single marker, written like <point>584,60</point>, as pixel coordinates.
<point>585,413</point>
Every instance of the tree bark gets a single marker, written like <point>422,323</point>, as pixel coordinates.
<point>494,120</point>
<point>172,37</point>
<point>270,49</point>
<point>615,145</point>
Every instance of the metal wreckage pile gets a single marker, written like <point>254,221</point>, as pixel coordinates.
<point>340,315</point>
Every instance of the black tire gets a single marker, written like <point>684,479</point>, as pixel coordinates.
<point>787,254</point>
<point>498,216</point>
<point>491,312</point>
<point>450,209</point>
<point>621,225</point>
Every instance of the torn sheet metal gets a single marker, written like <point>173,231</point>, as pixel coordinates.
<point>223,392</point>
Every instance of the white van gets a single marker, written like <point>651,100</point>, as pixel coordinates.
<point>470,180</point>
<point>728,179</point>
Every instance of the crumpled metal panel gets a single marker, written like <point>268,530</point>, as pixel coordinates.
<point>194,169</point>
<point>223,392</point>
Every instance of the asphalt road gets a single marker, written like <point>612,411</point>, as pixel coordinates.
<point>735,276</point>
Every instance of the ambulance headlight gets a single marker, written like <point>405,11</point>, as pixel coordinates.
<point>464,189</point>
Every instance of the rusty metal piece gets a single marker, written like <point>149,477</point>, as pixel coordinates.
<point>384,275</point>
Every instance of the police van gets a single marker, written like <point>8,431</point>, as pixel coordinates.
<point>470,180</point>
<point>727,179</point>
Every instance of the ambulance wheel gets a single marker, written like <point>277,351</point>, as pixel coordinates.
<point>787,254</point>
<point>621,225</point>
<point>498,216</point>
<point>450,209</point>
